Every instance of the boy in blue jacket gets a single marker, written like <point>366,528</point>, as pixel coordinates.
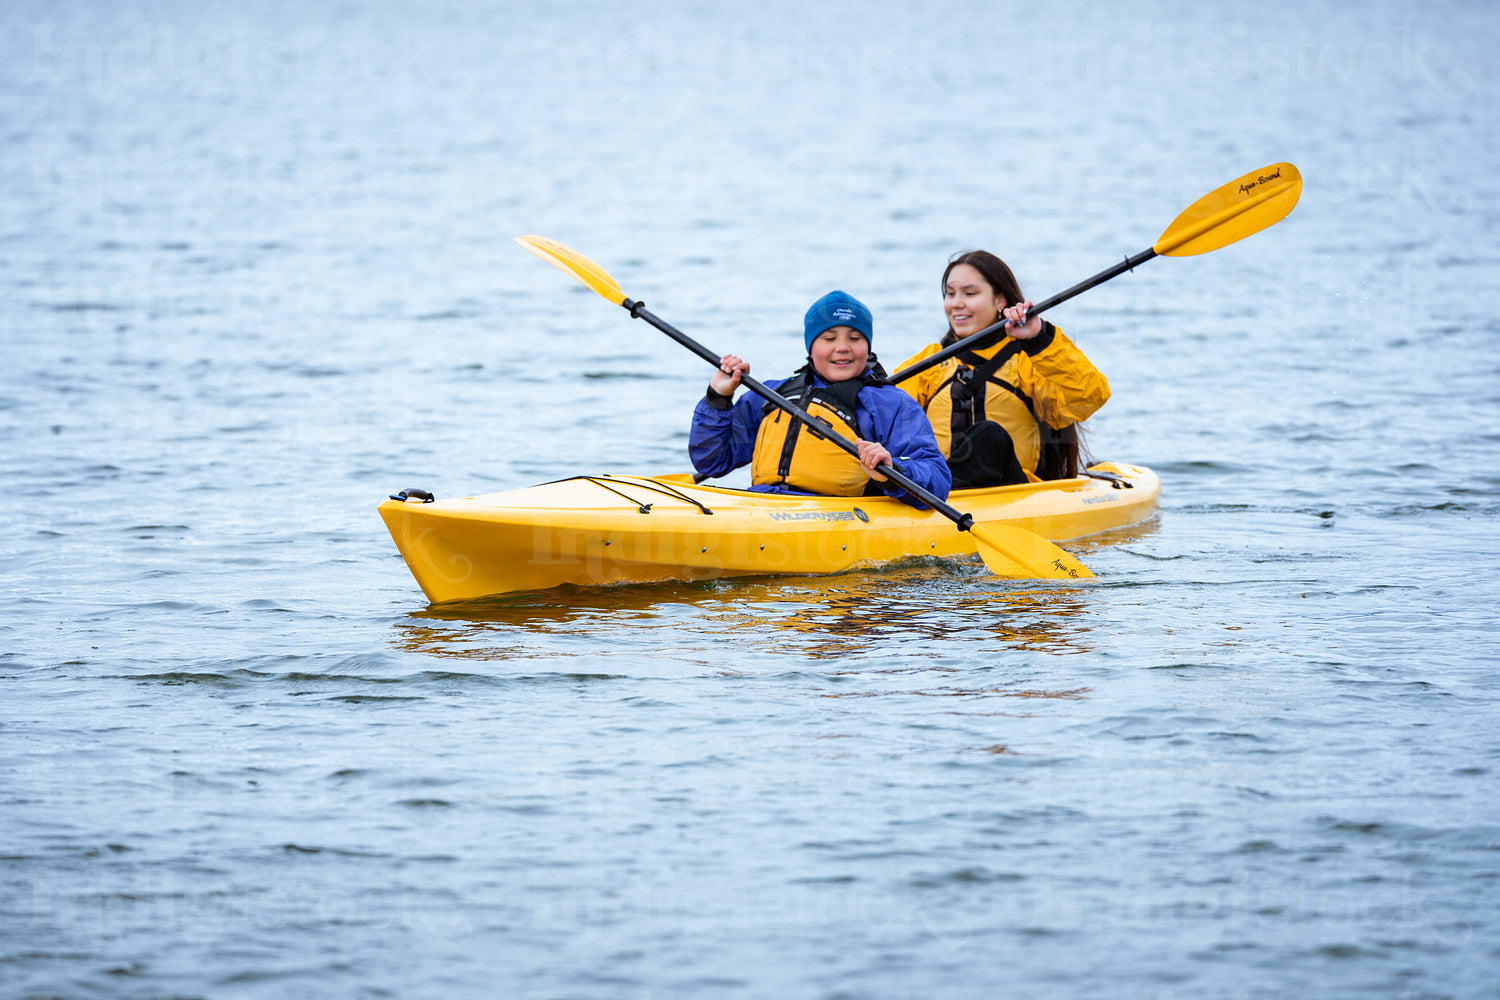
<point>839,385</point>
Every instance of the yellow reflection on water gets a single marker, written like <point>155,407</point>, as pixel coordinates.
<point>929,605</point>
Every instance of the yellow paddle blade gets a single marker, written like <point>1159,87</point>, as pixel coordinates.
<point>1245,205</point>
<point>576,264</point>
<point>1014,552</point>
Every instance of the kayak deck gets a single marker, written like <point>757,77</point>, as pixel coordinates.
<point>597,530</point>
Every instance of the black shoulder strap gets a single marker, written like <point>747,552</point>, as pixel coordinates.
<point>794,389</point>
<point>966,385</point>
<point>972,369</point>
<point>843,396</point>
<point>985,368</point>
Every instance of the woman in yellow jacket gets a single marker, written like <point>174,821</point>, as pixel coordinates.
<point>1003,412</point>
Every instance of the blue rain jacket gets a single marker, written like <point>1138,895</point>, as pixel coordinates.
<point>724,440</point>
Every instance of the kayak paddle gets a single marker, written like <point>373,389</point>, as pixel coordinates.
<point>1244,206</point>
<point>1007,550</point>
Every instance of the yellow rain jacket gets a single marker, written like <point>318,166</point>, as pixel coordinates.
<point>1025,383</point>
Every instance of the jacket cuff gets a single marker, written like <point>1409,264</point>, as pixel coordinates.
<point>716,401</point>
<point>1036,345</point>
<point>890,487</point>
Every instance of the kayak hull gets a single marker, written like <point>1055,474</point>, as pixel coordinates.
<point>599,530</point>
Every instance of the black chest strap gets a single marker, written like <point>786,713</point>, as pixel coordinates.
<point>967,385</point>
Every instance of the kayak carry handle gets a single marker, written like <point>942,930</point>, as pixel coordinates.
<point>1115,480</point>
<point>413,494</point>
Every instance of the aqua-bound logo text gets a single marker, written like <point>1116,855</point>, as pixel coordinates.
<point>1262,179</point>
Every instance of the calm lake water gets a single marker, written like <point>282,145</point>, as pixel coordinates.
<point>258,272</point>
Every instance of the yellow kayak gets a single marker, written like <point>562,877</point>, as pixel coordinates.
<point>592,530</point>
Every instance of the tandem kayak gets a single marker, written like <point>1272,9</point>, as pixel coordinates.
<point>596,530</point>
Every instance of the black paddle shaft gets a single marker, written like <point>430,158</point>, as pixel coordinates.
<point>639,311</point>
<point>1128,264</point>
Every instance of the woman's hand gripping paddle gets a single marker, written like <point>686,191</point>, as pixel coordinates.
<point>1225,215</point>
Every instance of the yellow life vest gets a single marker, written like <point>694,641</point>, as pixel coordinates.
<point>1055,387</point>
<point>789,453</point>
<point>976,391</point>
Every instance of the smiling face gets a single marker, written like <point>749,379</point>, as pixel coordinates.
<point>840,353</point>
<point>970,301</point>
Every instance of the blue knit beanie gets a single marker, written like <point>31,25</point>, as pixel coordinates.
<point>837,309</point>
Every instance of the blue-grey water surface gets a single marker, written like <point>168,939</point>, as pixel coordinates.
<point>256,272</point>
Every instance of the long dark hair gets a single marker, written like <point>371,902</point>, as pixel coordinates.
<point>994,270</point>
<point>1059,448</point>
